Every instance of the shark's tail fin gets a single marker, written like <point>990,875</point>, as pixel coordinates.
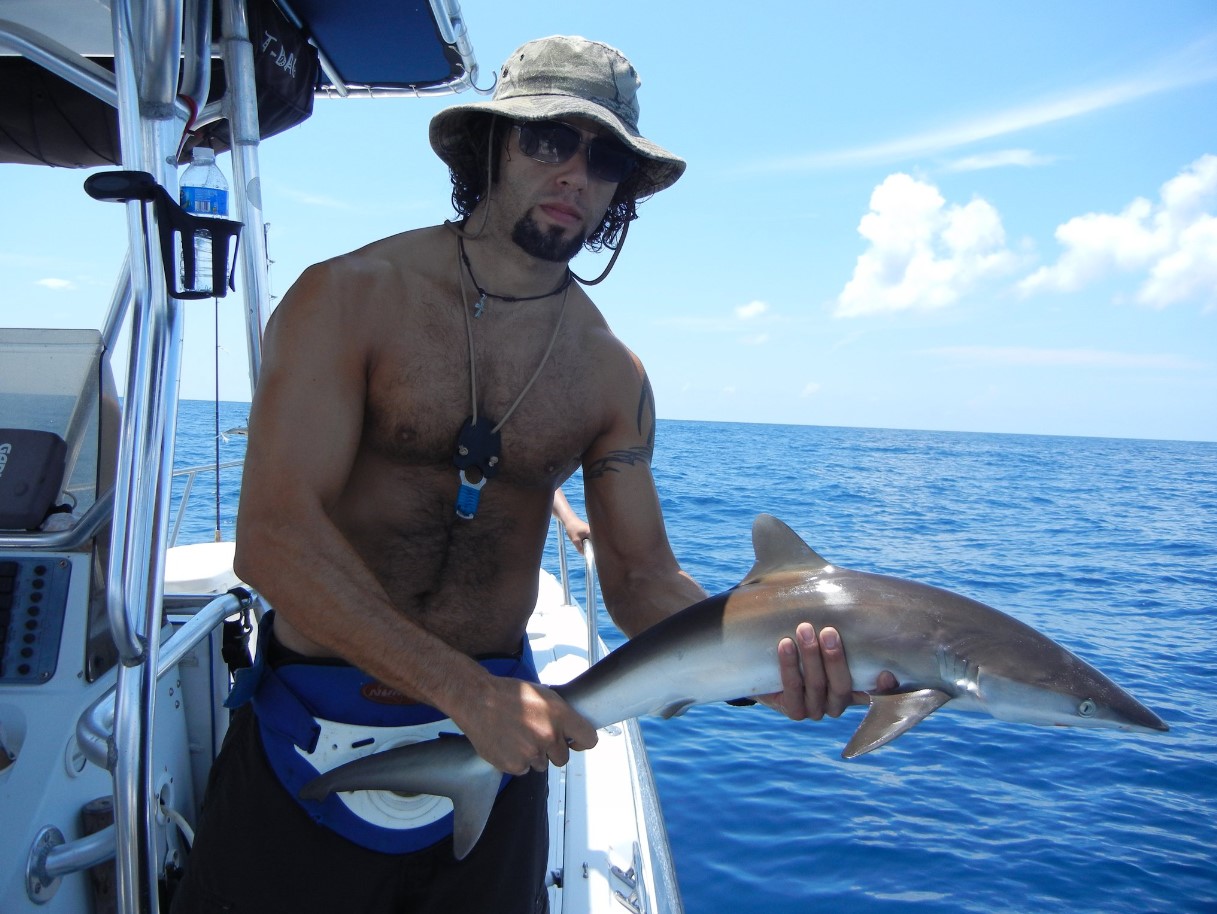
<point>446,767</point>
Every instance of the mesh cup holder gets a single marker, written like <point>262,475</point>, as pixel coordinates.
<point>177,231</point>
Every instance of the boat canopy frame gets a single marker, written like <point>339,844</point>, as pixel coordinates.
<point>162,55</point>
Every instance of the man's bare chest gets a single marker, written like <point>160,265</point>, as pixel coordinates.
<point>421,400</point>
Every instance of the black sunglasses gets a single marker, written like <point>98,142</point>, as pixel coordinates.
<point>553,142</point>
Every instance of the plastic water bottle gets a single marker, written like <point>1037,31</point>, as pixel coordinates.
<point>204,192</point>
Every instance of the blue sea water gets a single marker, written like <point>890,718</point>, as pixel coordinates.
<point>1108,546</point>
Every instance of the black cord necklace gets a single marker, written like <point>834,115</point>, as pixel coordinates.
<point>480,305</point>
<point>478,443</point>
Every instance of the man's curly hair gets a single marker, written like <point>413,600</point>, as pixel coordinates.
<point>484,136</point>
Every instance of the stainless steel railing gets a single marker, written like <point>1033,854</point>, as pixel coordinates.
<point>190,474</point>
<point>52,858</point>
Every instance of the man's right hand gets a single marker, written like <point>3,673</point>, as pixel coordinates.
<point>517,726</point>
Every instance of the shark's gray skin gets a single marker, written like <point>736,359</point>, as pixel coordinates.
<point>942,647</point>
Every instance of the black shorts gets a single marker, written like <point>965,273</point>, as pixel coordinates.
<point>257,852</point>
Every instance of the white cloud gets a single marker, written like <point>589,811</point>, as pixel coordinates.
<point>1002,158</point>
<point>57,285</point>
<point>751,310</point>
<point>1187,273</point>
<point>1173,242</point>
<point>923,253</point>
<point>757,339</point>
<point>810,390</point>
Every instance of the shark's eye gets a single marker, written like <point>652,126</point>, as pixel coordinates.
<point>1087,708</point>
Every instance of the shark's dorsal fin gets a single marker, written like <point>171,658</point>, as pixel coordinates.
<point>778,548</point>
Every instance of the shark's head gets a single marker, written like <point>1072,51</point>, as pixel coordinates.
<point>1072,694</point>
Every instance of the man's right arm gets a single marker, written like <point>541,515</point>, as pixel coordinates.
<point>304,432</point>
<point>305,429</point>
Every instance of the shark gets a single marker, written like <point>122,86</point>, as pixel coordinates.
<point>943,648</point>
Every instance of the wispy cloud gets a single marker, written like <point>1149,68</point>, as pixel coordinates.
<point>752,315</point>
<point>751,310</point>
<point>699,324</point>
<point>1192,65</point>
<point>56,284</point>
<point>1085,358</point>
<point>27,259</point>
<point>1002,158</point>
<point>311,199</point>
<point>848,340</point>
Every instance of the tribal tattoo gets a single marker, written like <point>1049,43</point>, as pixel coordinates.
<point>646,412</point>
<point>629,457</point>
<point>610,463</point>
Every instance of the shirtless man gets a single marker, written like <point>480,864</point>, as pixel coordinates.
<point>382,558</point>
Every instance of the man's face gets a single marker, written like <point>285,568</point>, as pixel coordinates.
<point>559,204</point>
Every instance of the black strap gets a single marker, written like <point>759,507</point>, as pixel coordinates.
<point>235,646</point>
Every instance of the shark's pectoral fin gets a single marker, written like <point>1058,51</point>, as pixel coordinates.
<point>676,708</point>
<point>471,805</point>
<point>891,715</point>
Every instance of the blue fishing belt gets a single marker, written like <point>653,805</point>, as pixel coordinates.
<point>313,717</point>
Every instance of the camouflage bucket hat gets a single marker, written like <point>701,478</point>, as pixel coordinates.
<point>564,77</point>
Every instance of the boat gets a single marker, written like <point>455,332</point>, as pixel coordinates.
<point>118,642</point>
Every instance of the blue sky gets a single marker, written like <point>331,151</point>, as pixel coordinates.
<point>942,215</point>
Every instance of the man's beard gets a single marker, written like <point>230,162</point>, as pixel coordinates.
<point>545,245</point>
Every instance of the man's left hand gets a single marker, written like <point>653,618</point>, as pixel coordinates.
<point>815,676</point>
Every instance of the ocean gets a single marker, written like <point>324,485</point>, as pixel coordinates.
<point>1107,546</point>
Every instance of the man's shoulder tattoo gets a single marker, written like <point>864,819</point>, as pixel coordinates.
<point>645,420</point>
<point>646,412</point>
